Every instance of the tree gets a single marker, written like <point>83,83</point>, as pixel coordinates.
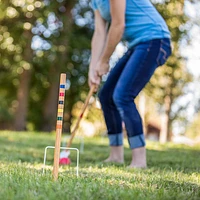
<point>16,47</point>
<point>69,52</point>
<point>168,82</point>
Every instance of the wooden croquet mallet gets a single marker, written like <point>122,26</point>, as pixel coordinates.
<point>92,89</point>
<point>59,124</point>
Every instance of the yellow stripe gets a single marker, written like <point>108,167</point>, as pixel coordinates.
<point>60,110</point>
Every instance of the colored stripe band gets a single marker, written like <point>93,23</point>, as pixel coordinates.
<point>62,94</point>
<point>60,110</point>
<point>59,126</point>
<point>59,118</point>
<point>62,86</point>
<point>60,102</point>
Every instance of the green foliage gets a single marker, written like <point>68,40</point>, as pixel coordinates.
<point>192,130</point>
<point>172,173</point>
<point>170,81</point>
<point>58,45</point>
<point>17,19</point>
<point>173,76</point>
<point>59,34</point>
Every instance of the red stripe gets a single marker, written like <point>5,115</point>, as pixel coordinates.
<point>59,126</point>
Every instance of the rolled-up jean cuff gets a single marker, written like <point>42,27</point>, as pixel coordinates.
<point>136,141</point>
<point>116,139</point>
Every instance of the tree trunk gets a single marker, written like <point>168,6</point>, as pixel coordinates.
<point>142,109</point>
<point>50,105</point>
<point>165,121</point>
<point>23,90</point>
<point>22,98</point>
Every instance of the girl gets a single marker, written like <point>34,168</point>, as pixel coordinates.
<point>148,38</point>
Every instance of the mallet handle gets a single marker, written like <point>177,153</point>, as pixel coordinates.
<point>59,124</point>
<point>81,115</point>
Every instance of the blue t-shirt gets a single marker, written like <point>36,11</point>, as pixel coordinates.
<point>142,20</point>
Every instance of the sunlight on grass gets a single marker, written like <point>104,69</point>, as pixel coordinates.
<point>173,171</point>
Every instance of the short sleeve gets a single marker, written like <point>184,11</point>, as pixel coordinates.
<point>94,4</point>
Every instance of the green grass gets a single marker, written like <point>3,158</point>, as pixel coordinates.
<point>173,171</point>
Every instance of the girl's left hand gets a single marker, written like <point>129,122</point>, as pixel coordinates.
<point>102,68</point>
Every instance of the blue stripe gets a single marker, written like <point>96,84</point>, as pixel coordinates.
<point>62,86</point>
<point>60,102</point>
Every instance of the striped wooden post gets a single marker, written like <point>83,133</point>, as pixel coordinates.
<point>59,124</point>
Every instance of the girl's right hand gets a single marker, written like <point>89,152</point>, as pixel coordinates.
<point>93,78</point>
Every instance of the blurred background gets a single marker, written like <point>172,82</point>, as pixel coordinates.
<point>41,39</point>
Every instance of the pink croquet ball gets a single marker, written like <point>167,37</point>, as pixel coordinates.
<point>64,161</point>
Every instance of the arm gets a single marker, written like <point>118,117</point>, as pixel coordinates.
<point>117,9</point>
<point>98,39</point>
<point>98,43</point>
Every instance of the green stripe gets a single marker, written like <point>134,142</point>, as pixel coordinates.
<point>59,118</point>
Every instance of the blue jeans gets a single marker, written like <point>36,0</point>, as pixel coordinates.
<point>130,75</point>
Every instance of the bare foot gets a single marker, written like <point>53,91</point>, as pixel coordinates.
<point>138,158</point>
<point>114,160</point>
<point>116,154</point>
<point>132,166</point>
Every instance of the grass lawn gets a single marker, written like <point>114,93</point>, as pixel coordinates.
<point>173,171</point>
